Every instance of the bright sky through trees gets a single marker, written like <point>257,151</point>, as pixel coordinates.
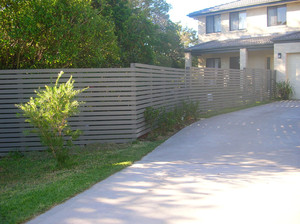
<point>181,8</point>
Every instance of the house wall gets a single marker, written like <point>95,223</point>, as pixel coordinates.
<point>224,59</point>
<point>256,59</point>
<point>256,24</point>
<point>280,64</point>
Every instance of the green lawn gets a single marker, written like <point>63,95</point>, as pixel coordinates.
<point>31,184</point>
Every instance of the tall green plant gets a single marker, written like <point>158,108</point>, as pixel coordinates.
<point>284,90</point>
<point>48,113</point>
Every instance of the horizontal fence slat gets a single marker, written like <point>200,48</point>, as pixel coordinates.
<point>117,97</point>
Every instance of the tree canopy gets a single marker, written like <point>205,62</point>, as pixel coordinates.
<point>88,33</point>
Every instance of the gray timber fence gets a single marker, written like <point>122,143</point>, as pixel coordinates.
<point>117,97</point>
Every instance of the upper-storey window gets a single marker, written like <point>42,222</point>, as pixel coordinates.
<point>238,20</point>
<point>213,24</point>
<point>277,15</point>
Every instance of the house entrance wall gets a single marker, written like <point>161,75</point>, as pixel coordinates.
<point>258,59</point>
<point>280,58</point>
<point>225,59</point>
<point>255,59</point>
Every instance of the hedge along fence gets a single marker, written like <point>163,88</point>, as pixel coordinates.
<point>117,98</point>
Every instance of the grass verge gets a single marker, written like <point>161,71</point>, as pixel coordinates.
<point>30,184</point>
<point>233,109</point>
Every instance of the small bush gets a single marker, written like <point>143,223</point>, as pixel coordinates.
<point>284,90</point>
<point>171,120</point>
<point>151,116</point>
<point>48,113</point>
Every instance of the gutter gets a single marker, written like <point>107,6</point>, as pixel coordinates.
<point>197,52</point>
<point>198,13</point>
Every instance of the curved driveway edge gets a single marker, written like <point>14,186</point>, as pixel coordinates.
<point>241,167</point>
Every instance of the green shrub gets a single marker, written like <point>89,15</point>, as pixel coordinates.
<point>284,90</point>
<point>48,113</point>
<point>166,121</point>
<point>173,119</point>
<point>151,116</point>
<point>179,114</point>
<point>191,110</point>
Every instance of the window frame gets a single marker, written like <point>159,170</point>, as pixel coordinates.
<point>232,61</point>
<point>238,16</point>
<point>276,7</point>
<point>218,60</point>
<point>213,18</point>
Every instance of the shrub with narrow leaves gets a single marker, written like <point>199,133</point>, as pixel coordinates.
<point>168,120</point>
<point>284,90</point>
<point>48,113</point>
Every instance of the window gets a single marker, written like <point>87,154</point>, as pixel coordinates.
<point>277,15</point>
<point>213,24</point>
<point>238,20</point>
<point>213,63</point>
<point>234,63</point>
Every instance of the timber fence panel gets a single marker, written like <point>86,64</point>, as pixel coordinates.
<point>117,98</point>
<point>109,114</point>
<point>157,87</point>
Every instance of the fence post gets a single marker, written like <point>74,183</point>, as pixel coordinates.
<point>134,94</point>
<point>273,84</point>
<point>188,84</point>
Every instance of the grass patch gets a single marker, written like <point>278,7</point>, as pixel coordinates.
<point>31,184</point>
<point>232,109</point>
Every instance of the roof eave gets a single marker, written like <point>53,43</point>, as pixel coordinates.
<point>196,52</point>
<point>286,41</point>
<point>198,13</point>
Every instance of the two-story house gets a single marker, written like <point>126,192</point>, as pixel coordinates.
<point>250,34</point>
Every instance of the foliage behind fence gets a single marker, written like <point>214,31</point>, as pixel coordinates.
<point>117,97</point>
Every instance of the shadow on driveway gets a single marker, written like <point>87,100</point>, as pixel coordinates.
<point>241,167</point>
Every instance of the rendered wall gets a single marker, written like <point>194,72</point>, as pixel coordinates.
<point>256,24</point>
<point>280,64</point>
<point>256,59</point>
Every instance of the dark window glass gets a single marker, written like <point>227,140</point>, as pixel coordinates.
<point>234,21</point>
<point>217,23</point>
<point>277,15</point>
<point>210,24</point>
<point>213,24</point>
<point>213,63</point>
<point>242,20</point>
<point>281,15</point>
<point>234,63</point>
<point>238,20</point>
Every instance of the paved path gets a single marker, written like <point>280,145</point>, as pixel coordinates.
<point>237,168</point>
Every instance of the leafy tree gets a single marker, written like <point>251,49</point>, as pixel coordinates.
<point>169,49</point>
<point>155,10</point>
<point>137,45</point>
<point>89,33</point>
<point>165,43</point>
<point>188,36</point>
<point>48,33</point>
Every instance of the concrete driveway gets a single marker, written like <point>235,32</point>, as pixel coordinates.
<point>237,168</point>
